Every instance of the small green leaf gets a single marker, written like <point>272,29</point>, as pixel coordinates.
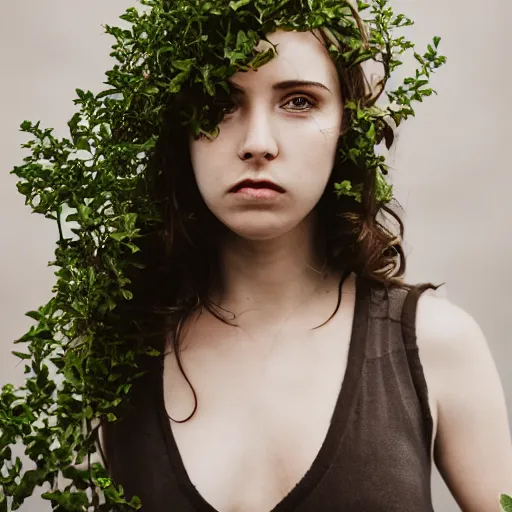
<point>153,352</point>
<point>126,294</point>
<point>83,212</point>
<point>111,417</point>
<point>36,315</point>
<point>119,236</point>
<point>131,246</point>
<point>70,501</point>
<point>26,126</point>
<point>235,5</point>
<point>21,355</point>
<point>91,276</point>
<point>419,58</point>
<point>104,482</point>
<point>183,65</point>
<point>370,134</point>
<point>83,144</point>
<point>506,503</point>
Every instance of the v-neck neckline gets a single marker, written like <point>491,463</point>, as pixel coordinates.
<point>339,420</point>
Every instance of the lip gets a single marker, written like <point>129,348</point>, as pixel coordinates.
<point>257,185</point>
<point>259,194</point>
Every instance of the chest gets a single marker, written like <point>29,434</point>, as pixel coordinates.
<point>262,415</point>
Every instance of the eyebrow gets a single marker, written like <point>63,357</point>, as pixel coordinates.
<point>287,84</point>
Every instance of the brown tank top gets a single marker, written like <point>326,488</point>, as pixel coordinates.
<point>376,454</point>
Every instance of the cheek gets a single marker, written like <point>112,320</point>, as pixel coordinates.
<point>315,155</point>
<point>207,167</point>
<point>200,159</point>
<point>196,155</point>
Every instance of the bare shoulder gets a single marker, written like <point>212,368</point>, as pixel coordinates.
<point>452,344</point>
<point>444,328</point>
<point>473,451</point>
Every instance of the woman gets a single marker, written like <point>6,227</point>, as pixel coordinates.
<point>300,372</point>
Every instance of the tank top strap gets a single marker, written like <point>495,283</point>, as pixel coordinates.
<point>409,309</point>
<point>409,337</point>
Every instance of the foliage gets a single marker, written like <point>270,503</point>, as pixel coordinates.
<point>506,503</point>
<point>97,179</point>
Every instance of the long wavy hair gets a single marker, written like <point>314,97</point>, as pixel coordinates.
<point>180,256</point>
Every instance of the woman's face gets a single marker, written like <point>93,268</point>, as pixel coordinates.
<point>276,131</point>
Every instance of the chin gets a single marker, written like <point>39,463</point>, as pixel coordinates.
<point>258,230</point>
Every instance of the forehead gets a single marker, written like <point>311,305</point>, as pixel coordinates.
<point>300,55</point>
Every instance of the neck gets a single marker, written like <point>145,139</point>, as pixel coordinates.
<point>271,277</point>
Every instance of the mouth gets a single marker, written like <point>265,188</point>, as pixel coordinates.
<point>257,184</point>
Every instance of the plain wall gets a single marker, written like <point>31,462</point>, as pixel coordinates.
<point>451,164</point>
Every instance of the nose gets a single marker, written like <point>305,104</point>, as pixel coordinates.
<point>259,143</point>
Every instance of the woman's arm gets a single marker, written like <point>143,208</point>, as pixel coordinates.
<point>473,449</point>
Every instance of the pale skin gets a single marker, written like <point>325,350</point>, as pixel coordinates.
<point>472,450</point>
<point>268,277</point>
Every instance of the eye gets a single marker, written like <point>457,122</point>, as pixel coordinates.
<point>306,104</point>
<point>228,108</point>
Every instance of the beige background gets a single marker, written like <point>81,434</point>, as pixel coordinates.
<point>451,164</point>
